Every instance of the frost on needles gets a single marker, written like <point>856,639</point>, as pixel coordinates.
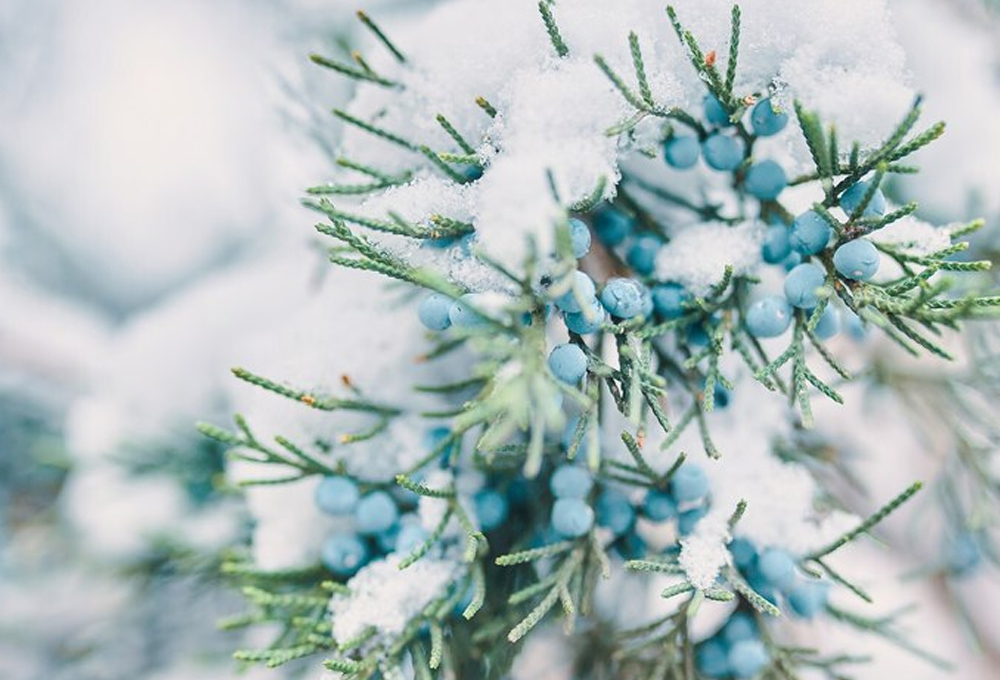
<point>627,248</point>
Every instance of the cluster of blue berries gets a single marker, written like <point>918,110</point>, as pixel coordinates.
<point>724,150</point>
<point>773,574</point>
<point>685,500</point>
<point>857,260</point>
<point>735,651</point>
<point>377,526</point>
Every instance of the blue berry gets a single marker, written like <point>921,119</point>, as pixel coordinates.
<point>793,260</point>
<point>462,315</point>
<point>344,554</point>
<point>687,520</point>
<point>581,288</point>
<point>586,322</point>
<point>744,553</point>
<point>802,284</point>
<point>777,568</point>
<point>857,260</point>
<point>808,598</point>
<point>669,299</point>
<point>623,297</point>
<point>571,481</point>
<point>765,180</point>
<point>579,236</point>
<point>723,152</point>
<point>769,317</point>
<point>433,438</point>
<point>747,658</point>
<point>777,245</point>
<point>810,233</point>
<point>375,513</point>
<point>409,537</point>
<point>681,151</point>
<point>491,509</point>
<point>572,517</point>
<point>711,659</point>
<point>434,311</point>
<point>828,324</point>
<point>659,506</point>
<point>689,484</point>
<point>765,120</point>
<point>721,396</point>
<point>568,363</point>
<point>642,254</point>
<point>740,626</point>
<point>715,112</point>
<point>963,554</point>
<point>613,226</point>
<point>337,495</point>
<point>851,199</point>
<point>615,511</point>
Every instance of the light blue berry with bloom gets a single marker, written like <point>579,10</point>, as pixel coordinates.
<point>613,226</point>
<point>337,495</point>
<point>434,311</point>
<point>828,324</point>
<point>740,626</point>
<point>851,199</point>
<point>572,517</point>
<point>462,315</point>
<point>623,297</point>
<point>715,112</point>
<point>568,363</point>
<point>857,260</point>
<point>687,520</point>
<point>571,481</point>
<point>579,237</point>
<point>776,246</point>
<point>810,233</point>
<point>581,288</point>
<point>641,254</point>
<point>777,567</point>
<point>491,509</point>
<point>584,323</point>
<point>769,317</point>
<point>723,152</point>
<point>747,658</point>
<point>410,536</point>
<point>808,598</point>
<point>802,285</point>
<point>669,299</point>
<point>688,484</point>
<point>711,658</point>
<point>375,513</point>
<point>659,506</point>
<point>765,120</point>
<point>765,180</point>
<point>343,554</point>
<point>681,151</point>
<point>614,510</point>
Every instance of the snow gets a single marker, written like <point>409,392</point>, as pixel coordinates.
<point>386,598</point>
<point>914,236</point>
<point>553,114</point>
<point>703,554</point>
<point>696,256</point>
